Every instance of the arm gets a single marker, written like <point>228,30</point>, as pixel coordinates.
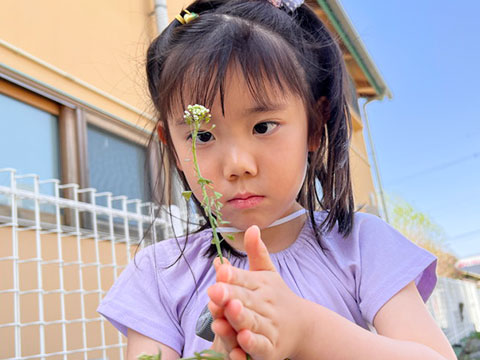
<point>138,344</point>
<point>405,331</point>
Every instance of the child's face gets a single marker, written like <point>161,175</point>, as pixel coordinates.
<point>248,153</point>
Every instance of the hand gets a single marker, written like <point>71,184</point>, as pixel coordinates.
<point>267,316</point>
<point>225,340</point>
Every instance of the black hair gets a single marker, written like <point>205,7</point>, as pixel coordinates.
<point>271,46</point>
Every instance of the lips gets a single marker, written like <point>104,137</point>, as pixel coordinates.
<point>242,196</point>
<point>245,200</point>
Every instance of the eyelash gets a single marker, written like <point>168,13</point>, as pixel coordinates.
<point>200,133</point>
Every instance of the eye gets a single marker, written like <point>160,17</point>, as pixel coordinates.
<point>202,137</point>
<point>265,127</point>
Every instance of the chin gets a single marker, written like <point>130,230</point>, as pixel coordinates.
<point>246,223</point>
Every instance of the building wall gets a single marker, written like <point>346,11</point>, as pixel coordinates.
<point>102,43</point>
<point>43,285</point>
<point>361,170</point>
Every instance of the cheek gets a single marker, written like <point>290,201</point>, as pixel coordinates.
<point>287,163</point>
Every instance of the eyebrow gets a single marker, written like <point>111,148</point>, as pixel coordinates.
<point>181,122</point>
<point>258,108</point>
<point>263,108</point>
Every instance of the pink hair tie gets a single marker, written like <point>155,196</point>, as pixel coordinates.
<point>289,4</point>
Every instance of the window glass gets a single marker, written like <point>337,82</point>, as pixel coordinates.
<point>116,165</point>
<point>29,139</point>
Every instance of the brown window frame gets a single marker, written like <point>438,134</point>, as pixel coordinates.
<point>73,119</point>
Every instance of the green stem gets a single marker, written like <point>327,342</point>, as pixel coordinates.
<point>205,204</point>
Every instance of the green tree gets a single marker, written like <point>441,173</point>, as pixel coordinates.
<point>419,228</point>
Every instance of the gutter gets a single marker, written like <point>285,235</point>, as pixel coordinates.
<point>374,158</point>
<point>340,21</point>
<point>161,15</point>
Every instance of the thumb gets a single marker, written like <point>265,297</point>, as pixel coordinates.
<point>258,256</point>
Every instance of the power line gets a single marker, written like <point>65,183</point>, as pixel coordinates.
<point>437,168</point>
<point>466,234</point>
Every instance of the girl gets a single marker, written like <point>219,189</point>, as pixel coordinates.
<point>300,283</point>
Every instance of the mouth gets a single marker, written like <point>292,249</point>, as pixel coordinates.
<point>245,201</point>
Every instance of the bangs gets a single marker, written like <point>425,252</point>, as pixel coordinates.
<point>197,75</point>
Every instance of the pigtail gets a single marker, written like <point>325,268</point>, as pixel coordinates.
<point>329,165</point>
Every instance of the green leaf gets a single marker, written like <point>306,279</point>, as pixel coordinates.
<point>202,180</point>
<point>218,195</point>
<point>187,195</point>
<point>230,237</point>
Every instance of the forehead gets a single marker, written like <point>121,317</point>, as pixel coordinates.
<point>236,93</point>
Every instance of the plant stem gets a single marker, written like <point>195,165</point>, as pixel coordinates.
<point>205,204</point>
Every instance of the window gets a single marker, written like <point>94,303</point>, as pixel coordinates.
<point>29,139</point>
<point>116,165</point>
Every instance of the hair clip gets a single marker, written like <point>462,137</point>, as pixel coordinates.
<point>186,18</point>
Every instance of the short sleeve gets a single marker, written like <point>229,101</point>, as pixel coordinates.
<point>389,262</point>
<point>139,300</point>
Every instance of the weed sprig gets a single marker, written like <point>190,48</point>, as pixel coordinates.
<point>197,116</point>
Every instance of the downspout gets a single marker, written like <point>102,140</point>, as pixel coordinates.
<point>374,158</point>
<point>161,15</point>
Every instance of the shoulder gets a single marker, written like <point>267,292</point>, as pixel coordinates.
<point>189,247</point>
<point>366,228</point>
<point>176,259</point>
<point>372,241</point>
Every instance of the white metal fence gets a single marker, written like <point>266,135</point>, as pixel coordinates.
<point>59,256</point>
<point>455,306</point>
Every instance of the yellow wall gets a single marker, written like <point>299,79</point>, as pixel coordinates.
<point>74,265</point>
<point>100,42</point>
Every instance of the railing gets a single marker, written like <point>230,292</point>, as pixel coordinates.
<point>455,306</point>
<point>59,256</point>
<point>58,259</point>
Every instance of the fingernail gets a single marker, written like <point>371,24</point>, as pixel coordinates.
<point>229,273</point>
<point>225,294</point>
<point>228,270</point>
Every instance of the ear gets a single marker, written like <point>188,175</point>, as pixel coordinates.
<point>322,112</point>
<point>161,136</point>
<point>161,133</point>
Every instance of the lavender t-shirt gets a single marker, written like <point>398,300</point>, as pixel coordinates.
<point>354,277</point>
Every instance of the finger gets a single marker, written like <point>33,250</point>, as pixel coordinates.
<point>226,333</point>
<point>241,318</point>
<point>224,272</point>
<point>220,294</point>
<point>237,354</point>
<point>257,252</point>
<point>254,344</point>
<point>217,262</point>
<point>215,310</point>
<point>235,276</point>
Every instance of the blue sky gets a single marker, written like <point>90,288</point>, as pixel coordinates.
<point>427,138</point>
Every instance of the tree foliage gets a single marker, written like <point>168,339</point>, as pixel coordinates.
<point>423,231</point>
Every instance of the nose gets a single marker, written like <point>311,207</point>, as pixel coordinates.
<point>238,161</point>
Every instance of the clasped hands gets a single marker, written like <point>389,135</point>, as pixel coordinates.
<point>254,311</point>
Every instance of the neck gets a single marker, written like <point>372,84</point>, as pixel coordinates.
<point>276,238</point>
